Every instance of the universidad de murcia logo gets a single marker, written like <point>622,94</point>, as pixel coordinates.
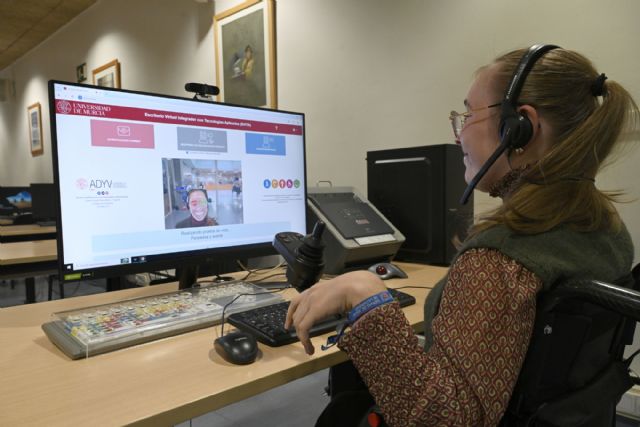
<point>63,107</point>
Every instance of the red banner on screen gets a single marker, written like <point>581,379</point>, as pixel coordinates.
<point>75,108</point>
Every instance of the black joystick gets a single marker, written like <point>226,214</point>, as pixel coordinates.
<point>303,255</point>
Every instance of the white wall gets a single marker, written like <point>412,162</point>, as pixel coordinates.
<point>161,44</point>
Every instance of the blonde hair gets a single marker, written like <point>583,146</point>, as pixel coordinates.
<point>559,189</point>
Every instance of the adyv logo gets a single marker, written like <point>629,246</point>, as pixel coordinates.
<point>98,184</point>
<point>281,183</point>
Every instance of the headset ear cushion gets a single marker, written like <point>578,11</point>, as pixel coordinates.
<point>524,132</point>
<point>519,128</point>
<point>508,127</point>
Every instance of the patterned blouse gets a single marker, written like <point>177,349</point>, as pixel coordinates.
<point>480,339</point>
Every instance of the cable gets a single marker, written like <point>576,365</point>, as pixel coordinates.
<point>254,271</point>
<point>262,279</point>
<point>243,279</point>
<point>218,278</point>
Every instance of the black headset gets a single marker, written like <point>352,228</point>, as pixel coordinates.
<point>515,128</point>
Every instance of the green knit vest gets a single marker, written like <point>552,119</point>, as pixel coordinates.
<point>554,256</point>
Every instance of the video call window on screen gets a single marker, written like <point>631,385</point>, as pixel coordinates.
<point>189,182</point>
<point>146,178</point>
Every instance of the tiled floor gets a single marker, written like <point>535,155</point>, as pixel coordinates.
<point>294,404</point>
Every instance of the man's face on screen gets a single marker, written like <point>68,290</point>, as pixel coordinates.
<point>198,205</point>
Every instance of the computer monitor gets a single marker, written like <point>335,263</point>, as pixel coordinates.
<point>43,202</point>
<point>14,200</point>
<point>148,182</point>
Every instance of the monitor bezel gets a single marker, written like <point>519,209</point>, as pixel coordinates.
<point>174,260</point>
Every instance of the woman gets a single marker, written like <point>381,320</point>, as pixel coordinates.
<point>553,224</point>
<point>198,204</point>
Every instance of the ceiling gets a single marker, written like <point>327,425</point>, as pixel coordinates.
<point>26,23</point>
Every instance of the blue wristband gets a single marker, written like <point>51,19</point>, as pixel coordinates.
<point>358,311</point>
<point>368,305</point>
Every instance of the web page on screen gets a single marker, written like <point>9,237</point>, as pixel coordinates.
<point>143,175</point>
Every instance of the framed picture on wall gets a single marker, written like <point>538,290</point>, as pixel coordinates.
<point>107,75</point>
<point>35,129</point>
<point>81,72</point>
<point>244,38</point>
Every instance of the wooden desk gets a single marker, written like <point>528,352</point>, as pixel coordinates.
<point>27,232</point>
<point>154,384</point>
<point>28,252</point>
<point>28,259</point>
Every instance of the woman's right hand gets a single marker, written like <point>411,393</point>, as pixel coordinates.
<point>326,298</point>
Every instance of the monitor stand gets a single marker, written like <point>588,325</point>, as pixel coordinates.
<point>114,284</point>
<point>187,276</point>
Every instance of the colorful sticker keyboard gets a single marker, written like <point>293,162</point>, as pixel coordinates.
<point>99,329</point>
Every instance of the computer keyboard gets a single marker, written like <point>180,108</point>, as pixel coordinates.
<point>98,329</point>
<point>267,323</point>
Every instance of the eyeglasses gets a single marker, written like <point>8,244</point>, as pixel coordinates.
<point>459,119</point>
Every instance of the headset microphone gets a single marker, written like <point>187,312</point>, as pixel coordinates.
<point>515,128</point>
<point>483,170</point>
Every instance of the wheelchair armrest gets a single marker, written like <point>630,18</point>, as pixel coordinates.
<point>623,301</point>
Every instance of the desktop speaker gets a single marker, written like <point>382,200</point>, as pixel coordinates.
<point>418,190</point>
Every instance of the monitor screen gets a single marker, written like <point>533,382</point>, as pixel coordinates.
<point>149,181</point>
<point>43,202</point>
<point>15,199</point>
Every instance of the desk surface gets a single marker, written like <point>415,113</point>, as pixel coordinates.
<point>28,252</point>
<point>26,229</point>
<point>158,383</point>
<point>26,232</point>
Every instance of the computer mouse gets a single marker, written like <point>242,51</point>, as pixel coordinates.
<point>386,270</point>
<point>238,347</point>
